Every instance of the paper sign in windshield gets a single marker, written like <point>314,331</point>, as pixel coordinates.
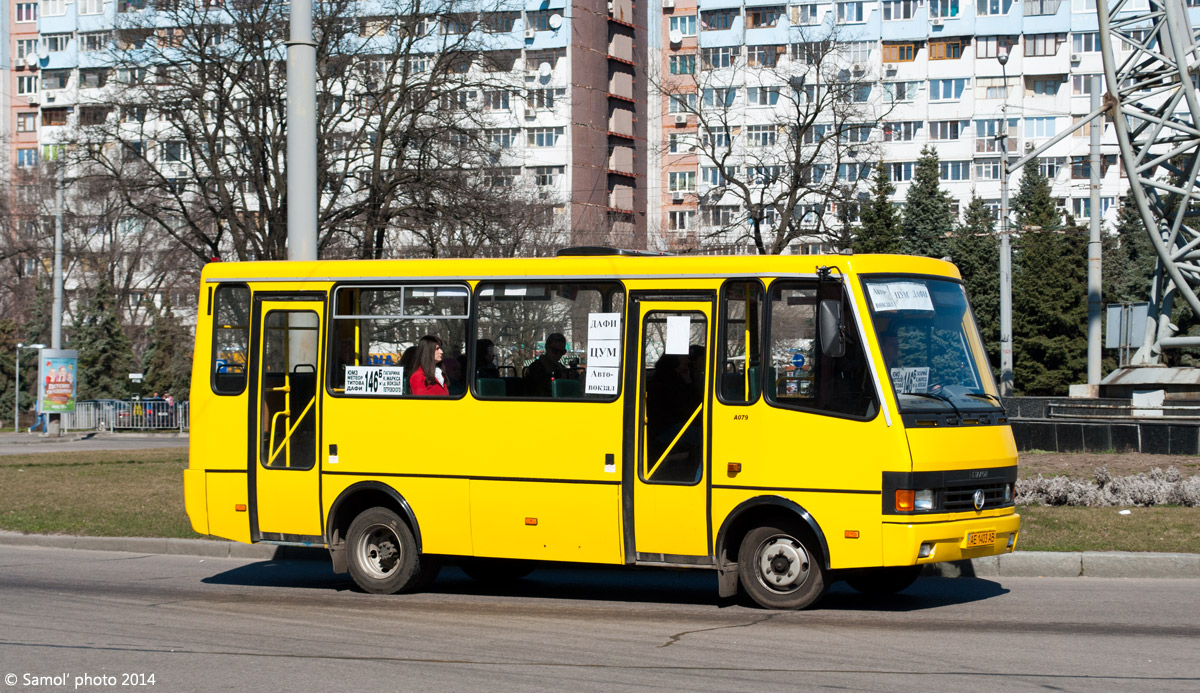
<point>900,296</point>
<point>909,380</point>
<point>381,381</point>
<point>603,354</point>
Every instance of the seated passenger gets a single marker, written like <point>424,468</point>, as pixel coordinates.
<point>547,367</point>
<point>485,359</point>
<point>427,378</point>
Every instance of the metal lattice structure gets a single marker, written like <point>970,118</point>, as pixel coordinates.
<point>1151,58</point>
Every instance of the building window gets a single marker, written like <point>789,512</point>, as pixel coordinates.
<point>945,50</point>
<point>895,10</point>
<point>762,96</point>
<point>501,138</point>
<point>547,176</point>
<point>850,12</point>
<point>1039,127</point>
<point>855,134</point>
<point>1081,207</point>
<point>1050,166</point>
<point>55,79</point>
<point>722,97</point>
<point>543,137</point>
<point>26,47</point>
<point>946,89</point>
<point>680,220</point>
<point>719,215</point>
<point>714,58</point>
<point>717,138</point>
<point>27,122</point>
<point>955,170</point>
<point>543,98</point>
<point>1041,7</point>
<point>900,92</point>
<point>26,84</point>
<point>56,43</point>
<point>1085,43</point>
<point>681,103</point>
<point>899,52</point>
<point>945,129</point>
<point>26,12</point>
<point>54,116</point>
<point>763,56</point>
<point>681,181</point>
<point>713,20</point>
<point>685,24</point>
<point>174,151</point>
<point>811,52</point>
<point>804,15</point>
<point>987,169</point>
<point>1081,85</point>
<point>540,20</point>
<point>499,22</point>
<point>502,177</point>
<point>943,8</point>
<point>1043,86</point>
<point>683,64</point>
<point>904,131</point>
<point>712,176</point>
<point>496,100</point>
<point>94,115</point>
<point>901,171</point>
<point>989,8</point>
<point>681,142</point>
<point>94,41</point>
<point>54,8</point>
<point>1038,45</point>
<point>1081,166</point>
<point>760,135</point>
<point>989,46</point>
<point>991,88</point>
<point>759,17</point>
<point>987,135</point>
<point>27,158</point>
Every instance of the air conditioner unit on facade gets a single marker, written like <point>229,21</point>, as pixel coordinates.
<point>1030,146</point>
<point>681,119</point>
<point>530,113</point>
<point>936,21</point>
<point>33,101</point>
<point>676,197</point>
<point>858,67</point>
<point>1075,57</point>
<point>530,33</point>
<point>889,66</point>
<point>668,4</point>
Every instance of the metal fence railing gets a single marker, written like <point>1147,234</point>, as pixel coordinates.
<point>117,415</point>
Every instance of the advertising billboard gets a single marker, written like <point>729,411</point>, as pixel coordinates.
<point>58,375</point>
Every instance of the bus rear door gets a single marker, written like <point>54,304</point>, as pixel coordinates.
<point>285,411</point>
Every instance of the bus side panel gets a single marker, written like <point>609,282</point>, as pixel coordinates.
<point>195,499</point>
<point>541,521</point>
<point>439,506</point>
<point>830,466</point>
<point>227,492</point>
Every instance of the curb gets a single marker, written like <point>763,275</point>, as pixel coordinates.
<point>1050,564</point>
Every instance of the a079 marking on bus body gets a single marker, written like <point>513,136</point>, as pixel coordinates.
<point>741,417</point>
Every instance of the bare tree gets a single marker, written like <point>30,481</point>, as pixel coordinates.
<point>785,137</point>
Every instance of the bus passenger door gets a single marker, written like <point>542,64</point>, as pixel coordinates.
<point>286,373</point>
<point>670,485</point>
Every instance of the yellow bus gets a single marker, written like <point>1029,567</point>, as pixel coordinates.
<point>785,421</point>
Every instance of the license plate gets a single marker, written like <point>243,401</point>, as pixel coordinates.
<point>981,538</point>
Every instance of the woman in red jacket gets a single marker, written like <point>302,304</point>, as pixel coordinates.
<point>427,378</point>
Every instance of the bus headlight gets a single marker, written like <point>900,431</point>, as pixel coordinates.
<point>924,499</point>
<point>1008,493</point>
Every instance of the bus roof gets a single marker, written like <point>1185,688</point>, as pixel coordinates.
<point>607,266</point>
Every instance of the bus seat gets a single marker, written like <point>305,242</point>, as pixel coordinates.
<point>754,384</point>
<point>513,386</point>
<point>566,388</point>
<point>491,387</point>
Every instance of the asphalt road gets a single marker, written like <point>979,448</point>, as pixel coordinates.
<point>22,444</point>
<point>224,624</point>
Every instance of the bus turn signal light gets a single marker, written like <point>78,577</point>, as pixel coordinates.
<point>531,521</point>
<point>904,500</point>
<point>240,507</point>
<point>852,534</point>
<point>734,468</point>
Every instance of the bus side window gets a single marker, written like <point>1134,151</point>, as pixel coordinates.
<point>231,339</point>
<point>799,375</point>
<point>739,366</point>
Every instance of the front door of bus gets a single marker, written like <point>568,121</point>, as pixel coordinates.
<point>670,503</point>
<point>285,477</point>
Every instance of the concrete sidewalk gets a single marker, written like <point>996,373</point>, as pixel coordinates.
<point>1106,564</point>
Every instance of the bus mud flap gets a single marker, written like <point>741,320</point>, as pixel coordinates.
<point>727,579</point>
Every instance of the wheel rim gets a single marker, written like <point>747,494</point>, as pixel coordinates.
<point>379,551</point>
<point>782,562</point>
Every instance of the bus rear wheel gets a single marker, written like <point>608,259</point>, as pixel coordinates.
<point>781,568</point>
<point>884,581</point>
<point>382,554</point>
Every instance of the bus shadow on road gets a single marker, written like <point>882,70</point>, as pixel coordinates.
<point>614,584</point>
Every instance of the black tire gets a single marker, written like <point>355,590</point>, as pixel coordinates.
<point>497,570</point>
<point>878,582</point>
<point>781,568</point>
<point>382,554</point>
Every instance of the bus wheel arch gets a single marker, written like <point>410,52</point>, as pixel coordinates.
<point>773,512</point>
<point>351,503</point>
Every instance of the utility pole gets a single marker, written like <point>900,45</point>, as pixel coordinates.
<point>1094,247</point>
<point>1006,346</point>
<point>301,134</point>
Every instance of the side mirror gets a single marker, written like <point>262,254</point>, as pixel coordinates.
<point>833,330</point>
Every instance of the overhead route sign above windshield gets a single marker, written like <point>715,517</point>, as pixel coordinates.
<point>900,296</point>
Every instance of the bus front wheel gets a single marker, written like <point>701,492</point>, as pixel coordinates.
<point>781,568</point>
<point>383,556</point>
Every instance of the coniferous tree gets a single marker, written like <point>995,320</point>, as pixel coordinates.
<point>928,217</point>
<point>105,355</point>
<point>880,229</point>
<point>1049,293</point>
<point>167,363</point>
<point>975,249</point>
<point>1129,258</point>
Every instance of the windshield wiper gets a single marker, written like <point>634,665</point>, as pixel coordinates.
<point>987,396</point>
<point>934,395</point>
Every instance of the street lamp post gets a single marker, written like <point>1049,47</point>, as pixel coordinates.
<point>17,385</point>
<point>1006,346</point>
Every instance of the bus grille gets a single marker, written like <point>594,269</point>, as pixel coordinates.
<point>963,498</point>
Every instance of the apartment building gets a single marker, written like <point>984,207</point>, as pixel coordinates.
<point>929,73</point>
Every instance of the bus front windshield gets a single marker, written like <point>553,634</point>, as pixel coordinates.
<point>931,345</point>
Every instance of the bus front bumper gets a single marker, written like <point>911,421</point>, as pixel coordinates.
<point>916,543</point>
